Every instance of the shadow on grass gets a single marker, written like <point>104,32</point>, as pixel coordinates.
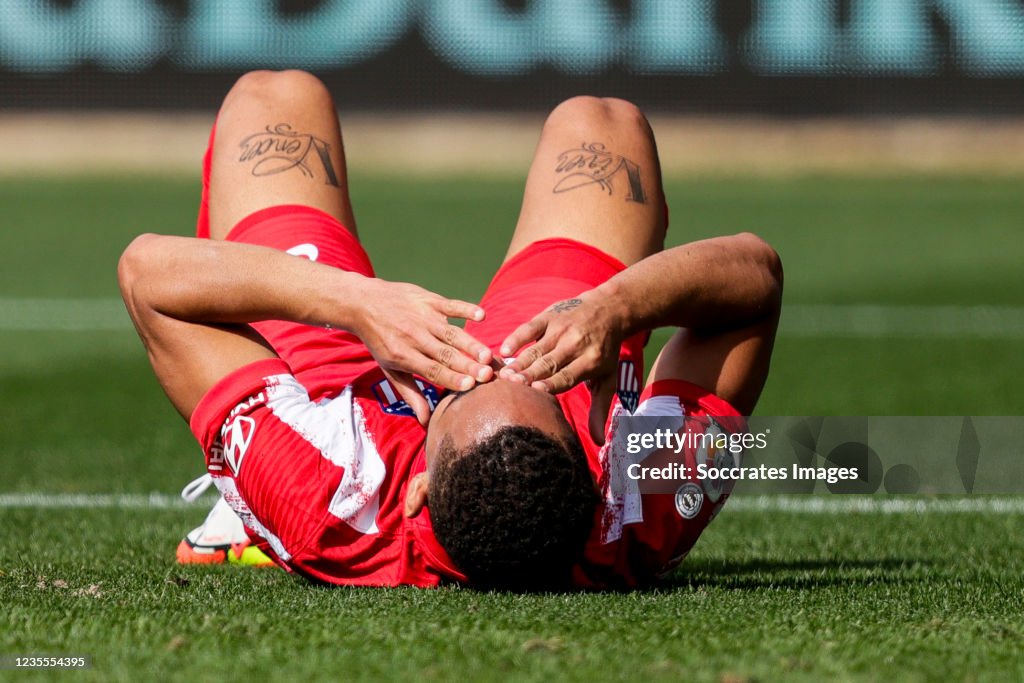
<point>805,574</point>
<point>753,574</point>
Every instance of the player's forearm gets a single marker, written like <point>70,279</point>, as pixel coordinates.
<point>714,284</point>
<point>219,282</point>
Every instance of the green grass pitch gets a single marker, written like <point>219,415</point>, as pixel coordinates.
<point>764,596</point>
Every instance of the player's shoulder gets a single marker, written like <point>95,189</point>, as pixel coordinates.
<point>673,397</point>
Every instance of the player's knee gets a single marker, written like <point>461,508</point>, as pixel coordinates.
<point>625,113</point>
<point>588,112</point>
<point>292,86</point>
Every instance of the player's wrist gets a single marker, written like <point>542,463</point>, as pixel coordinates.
<point>614,304</point>
<point>347,302</point>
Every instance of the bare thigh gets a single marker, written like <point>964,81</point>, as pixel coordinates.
<point>595,178</point>
<point>278,142</point>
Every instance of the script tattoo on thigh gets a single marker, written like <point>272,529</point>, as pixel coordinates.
<point>591,164</point>
<point>280,148</point>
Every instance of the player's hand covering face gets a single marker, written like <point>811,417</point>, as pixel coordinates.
<point>406,329</point>
<point>576,340</point>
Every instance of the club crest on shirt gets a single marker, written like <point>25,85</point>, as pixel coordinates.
<point>628,388</point>
<point>393,404</point>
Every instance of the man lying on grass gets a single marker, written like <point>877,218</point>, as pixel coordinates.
<point>362,438</point>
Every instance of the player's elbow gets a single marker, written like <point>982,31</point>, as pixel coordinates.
<point>134,269</point>
<point>132,265</point>
<point>767,264</point>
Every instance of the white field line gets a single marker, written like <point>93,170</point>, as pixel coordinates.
<point>798,320</point>
<point>132,501</point>
<point>846,504</point>
<point>816,505</point>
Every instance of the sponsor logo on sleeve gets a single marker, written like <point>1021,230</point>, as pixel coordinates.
<point>713,456</point>
<point>215,462</point>
<point>689,500</point>
<point>237,436</point>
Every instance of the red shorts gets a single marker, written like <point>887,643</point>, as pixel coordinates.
<point>541,274</point>
<point>309,233</point>
<point>528,283</point>
<point>544,272</point>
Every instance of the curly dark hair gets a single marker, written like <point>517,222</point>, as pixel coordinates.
<point>514,510</point>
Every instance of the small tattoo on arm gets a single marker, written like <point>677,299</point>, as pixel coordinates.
<point>567,305</point>
<point>590,164</point>
<point>280,148</point>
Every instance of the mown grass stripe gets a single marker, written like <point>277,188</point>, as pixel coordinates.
<point>63,315</point>
<point>893,322</point>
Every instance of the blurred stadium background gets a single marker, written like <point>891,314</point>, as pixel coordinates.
<point>878,144</point>
<point>752,84</point>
